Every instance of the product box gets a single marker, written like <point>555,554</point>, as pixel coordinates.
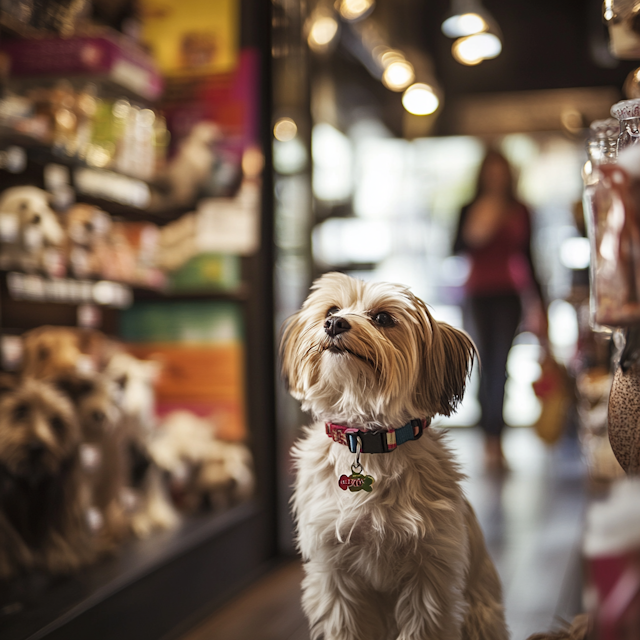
<point>215,271</point>
<point>192,36</point>
<point>201,349</point>
<point>104,56</point>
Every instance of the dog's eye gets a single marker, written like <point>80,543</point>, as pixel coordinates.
<point>383,319</point>
<point>57,424</point>
<point>21,412</point>
<point>332,311</point>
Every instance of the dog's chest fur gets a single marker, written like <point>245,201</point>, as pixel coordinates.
<point>416,497</point>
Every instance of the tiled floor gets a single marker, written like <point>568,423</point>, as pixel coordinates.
<point>532,519</point>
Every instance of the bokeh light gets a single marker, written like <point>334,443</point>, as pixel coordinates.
<point>398,75</point>
<point>353,10</point>
<point>466,24</point>
<point>322,32</point>
<point>472,50</point>
<point>285,129</point>
<point>420,99</point>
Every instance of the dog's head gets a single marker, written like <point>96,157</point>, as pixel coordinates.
<point>39,432</point>
<point>49,351</point>
<point>94,399</point>
<point>86,225</point>
<point>371,353</point>
<point>38,223</point>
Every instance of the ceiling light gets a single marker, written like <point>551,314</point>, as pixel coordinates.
<point>420,99</point>
<point>398,75</point>
<point>607,10</point>
<point>285,129</point>
<point>390,55</point>
<point>352,10</point>
<point>474,49</point>
<point>322,30</point>
<point>462,25</point>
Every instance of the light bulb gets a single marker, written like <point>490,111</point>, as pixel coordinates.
<point>474,49</point>
<point>420,99</point>
<point>398,75</point>
<point>323,30</point>
<point>285,129</point>
<point>353,10</point>
<point>462,25</point>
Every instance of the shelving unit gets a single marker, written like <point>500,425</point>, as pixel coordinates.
<point>155,588</point>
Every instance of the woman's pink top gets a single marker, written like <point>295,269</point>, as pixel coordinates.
<point>503,265</point>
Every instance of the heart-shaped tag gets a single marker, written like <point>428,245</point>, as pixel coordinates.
<point>356,482</point>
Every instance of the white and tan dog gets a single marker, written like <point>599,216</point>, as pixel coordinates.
<point>405,557</point>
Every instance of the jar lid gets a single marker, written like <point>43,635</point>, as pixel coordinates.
<point>608,128</point>
<point>626,109</point>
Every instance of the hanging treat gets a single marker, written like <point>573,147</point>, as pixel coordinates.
<point>624,418</point>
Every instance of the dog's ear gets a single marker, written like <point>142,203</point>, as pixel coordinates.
<point>447,359</point>
<point>289,355</point>
<point>456,354</point>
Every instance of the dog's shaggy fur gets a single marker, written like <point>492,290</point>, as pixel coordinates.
<point>408,560</point>
<point>42,512</point>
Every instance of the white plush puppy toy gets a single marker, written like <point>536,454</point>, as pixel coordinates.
<point>391,547</point>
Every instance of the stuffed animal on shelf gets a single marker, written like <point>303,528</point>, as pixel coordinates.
<point>31,236</point>
<point>205,472</point>
<point>42,507</point>
<point>150,506</point>
<point>86,248</point>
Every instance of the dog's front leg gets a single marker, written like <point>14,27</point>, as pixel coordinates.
<point>339,607</point>
<point>429,606</point>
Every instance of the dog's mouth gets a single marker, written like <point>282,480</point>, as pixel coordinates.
<point>342,350</point>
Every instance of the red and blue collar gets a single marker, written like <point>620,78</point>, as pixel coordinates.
<point>377,441</point>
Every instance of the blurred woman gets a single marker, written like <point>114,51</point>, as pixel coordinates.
<point>494,231</point>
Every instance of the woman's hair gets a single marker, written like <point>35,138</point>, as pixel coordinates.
<point>493,155</point>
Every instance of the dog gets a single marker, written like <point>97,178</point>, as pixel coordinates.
<point>393,550</point>
<point>42,512</point>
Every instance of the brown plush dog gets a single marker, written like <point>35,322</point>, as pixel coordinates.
<point>42,514</point>
<point>102,454</point>
<point>87,228</point>
<point>49,351</point>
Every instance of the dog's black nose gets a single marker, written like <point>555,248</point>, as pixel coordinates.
<point>334,325</point>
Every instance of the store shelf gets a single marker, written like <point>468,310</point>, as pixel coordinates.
<point>240,294</point>
<point>149,588</point>
<point>121,195</point>
<point>98,55</point>
<point>36,288</point>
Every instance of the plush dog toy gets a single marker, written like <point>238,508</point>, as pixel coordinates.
<point>87,228</point>
<point>391,547</point>
<point>42,508</point>
<point>205,472</point>
<point>30,234</point>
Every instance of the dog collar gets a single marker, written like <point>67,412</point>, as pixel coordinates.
<point>376,441</point>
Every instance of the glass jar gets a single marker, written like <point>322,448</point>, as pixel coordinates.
<point>628,114</point>
<point>602,144</point>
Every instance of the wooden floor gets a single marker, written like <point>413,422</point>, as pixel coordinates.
<point>532,519</point>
